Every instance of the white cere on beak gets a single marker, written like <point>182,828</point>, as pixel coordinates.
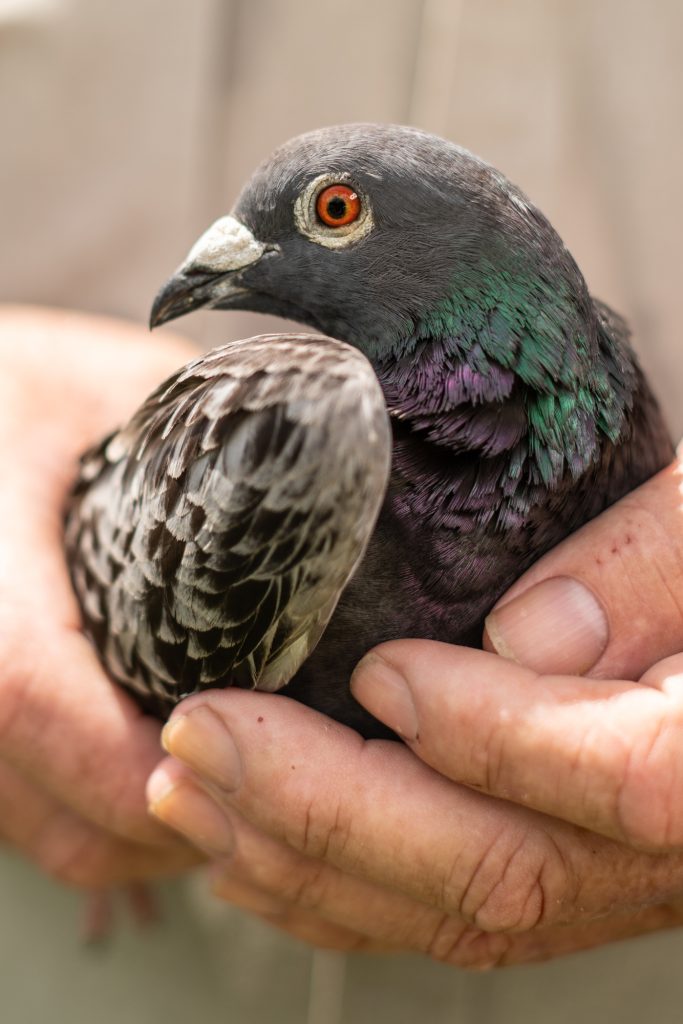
<point>226,245</point>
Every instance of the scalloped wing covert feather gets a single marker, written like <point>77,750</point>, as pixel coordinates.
<point>210,539</point>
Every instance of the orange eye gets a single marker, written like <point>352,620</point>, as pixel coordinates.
<point>337,205</point>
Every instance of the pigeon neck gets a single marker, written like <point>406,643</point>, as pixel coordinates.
<point>515,431</point>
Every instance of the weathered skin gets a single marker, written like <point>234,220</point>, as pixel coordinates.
<point>517,407</point>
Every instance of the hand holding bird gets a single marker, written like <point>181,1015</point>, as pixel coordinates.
<point>536,812</point>
<point>74,749</point>
<point>265,874</point>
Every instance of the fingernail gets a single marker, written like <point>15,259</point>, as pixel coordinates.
<point>383,691</point>
<point>200,740</point>
<point>187,809</point>
<point>558,627</point>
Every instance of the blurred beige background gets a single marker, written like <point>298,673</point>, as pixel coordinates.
<point>126,128</point>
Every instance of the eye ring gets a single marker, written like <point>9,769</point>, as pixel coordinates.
<point>342,231</point>
<point>338,205</point>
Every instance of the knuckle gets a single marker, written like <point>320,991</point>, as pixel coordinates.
<point>75,856</point>
<point>630,765</point>
<point>15,687</point>
<point>486,755</point>
<point>285,874</point>
<point>445,939</point>
<point>460,945</point>
<point>306,886</point>
<point>79,875</point>
<point>26,667</point>
<point>324,831</point>
<point>516,884</point>
<point>118,788</point>
<point>322,935</point>
<point>650,557</point>
<point>646,794</point>
<point>497,763</point>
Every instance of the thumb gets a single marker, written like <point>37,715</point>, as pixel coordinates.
<point>608,601</point>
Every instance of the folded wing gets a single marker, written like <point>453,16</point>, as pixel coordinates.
<point>210,539</point>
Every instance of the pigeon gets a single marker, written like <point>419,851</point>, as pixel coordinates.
<point>283,504</point>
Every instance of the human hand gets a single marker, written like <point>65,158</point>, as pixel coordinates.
<point>529,813</point>
<point>75,751</point>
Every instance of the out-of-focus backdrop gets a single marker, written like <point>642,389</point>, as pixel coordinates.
<point>125,129</point>
<point>128,127</point>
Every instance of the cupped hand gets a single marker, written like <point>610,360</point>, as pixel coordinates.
<point>75,751</point>
<point>531,811</point>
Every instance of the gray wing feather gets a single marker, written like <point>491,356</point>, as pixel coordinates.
<point>210,539</point>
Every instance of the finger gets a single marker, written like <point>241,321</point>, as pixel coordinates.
<point>607,756</point>
<point>73,850</point>
<point>532,947</point>
<point>300,924</point>
<point>550,943</point>
<point>71,409</point>
<point>318,904</point>
<point>378,812</point>
<point>609,599</point>
<point>62,722</point>
<point>64,725</point>
<point>311,899</point>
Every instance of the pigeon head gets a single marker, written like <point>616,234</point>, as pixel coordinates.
<point>373,234</point>
<point>437,268</point>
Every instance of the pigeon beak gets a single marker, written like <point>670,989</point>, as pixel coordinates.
<point>208,275</point>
